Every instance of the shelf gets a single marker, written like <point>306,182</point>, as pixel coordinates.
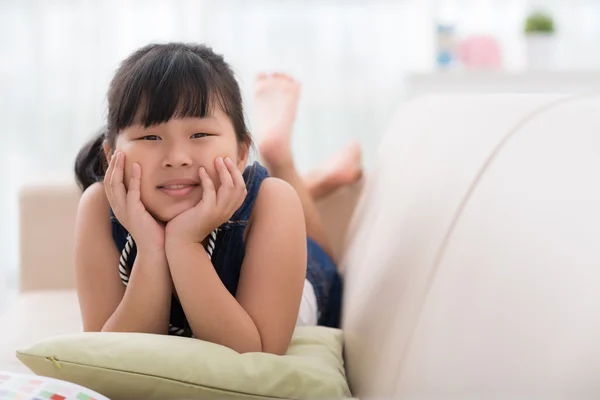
<point>502,81</point>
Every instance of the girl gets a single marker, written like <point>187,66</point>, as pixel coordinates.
<point>176,235</point>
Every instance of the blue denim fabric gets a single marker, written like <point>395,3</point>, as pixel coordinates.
<point>323,274</point>
<point>229,252</point>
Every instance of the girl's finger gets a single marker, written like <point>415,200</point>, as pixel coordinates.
<point>108,173</point>
<point>133,193</point>
<point>238,179</point>
<point>116,180</point>
<point>226,188</point>
<point>238,183</point>
<point>208,188</point>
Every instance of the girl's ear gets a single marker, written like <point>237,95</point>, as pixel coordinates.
<point>243,150</point>
<point>108,152</point>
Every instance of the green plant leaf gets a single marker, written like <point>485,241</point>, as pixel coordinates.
<point>539,22</point>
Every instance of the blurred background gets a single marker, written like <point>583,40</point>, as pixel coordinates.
<point>358,61</point>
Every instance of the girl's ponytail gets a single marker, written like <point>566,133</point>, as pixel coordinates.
<point>90,164</point>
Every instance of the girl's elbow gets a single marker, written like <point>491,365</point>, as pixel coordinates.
<point>91,327</point>
<point>276,347</point>
<point>251,346</point>
<point>275,350</point>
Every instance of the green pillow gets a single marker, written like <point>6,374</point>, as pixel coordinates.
<point>145,366</point>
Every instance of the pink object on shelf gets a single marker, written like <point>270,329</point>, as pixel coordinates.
<point>480,52</point>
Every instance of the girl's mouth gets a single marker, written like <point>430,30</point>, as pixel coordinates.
<point>178,190</point>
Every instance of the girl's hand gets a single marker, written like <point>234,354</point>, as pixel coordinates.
<point>128,208</point>
<point>215,208</point>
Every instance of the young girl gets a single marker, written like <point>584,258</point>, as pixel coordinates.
<point>175,234</point>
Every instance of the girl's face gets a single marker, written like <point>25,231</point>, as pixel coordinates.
<point>170,155</point>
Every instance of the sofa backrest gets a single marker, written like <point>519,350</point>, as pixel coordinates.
<point>472,266</point>
<point>46,234</point>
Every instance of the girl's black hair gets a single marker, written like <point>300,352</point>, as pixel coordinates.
<point>159,82</point>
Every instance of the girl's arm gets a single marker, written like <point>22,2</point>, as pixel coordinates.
<point>146,305</point>
<point>104,302</point>
<point>263,315</point>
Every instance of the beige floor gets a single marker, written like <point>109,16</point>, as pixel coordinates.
<point>34,316</point>
<point>8,288</point>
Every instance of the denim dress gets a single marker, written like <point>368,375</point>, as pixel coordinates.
<point>226,249</point>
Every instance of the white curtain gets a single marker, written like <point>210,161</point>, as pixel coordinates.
<point>59,55</point>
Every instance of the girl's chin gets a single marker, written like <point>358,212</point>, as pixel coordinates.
<point>171,212</point>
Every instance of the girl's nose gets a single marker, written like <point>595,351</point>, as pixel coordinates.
<point>177,156</point>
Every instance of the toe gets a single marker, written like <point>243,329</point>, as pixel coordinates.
<point>282,75</point>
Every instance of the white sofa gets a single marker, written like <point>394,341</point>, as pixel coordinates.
<point>471,260</point>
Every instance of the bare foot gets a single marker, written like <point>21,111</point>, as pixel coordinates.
<point>344,168</point>
<point>276,98</point>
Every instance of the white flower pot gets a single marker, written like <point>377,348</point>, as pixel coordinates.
<point>540,50</point>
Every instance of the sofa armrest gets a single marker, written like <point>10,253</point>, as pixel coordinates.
<point>46,223</point>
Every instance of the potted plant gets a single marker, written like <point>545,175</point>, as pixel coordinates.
<point>540,39</point>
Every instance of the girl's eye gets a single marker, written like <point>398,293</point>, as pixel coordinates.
<point>150,137</point>
<point>199,135</point>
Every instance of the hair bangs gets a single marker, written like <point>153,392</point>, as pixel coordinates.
<point>165,85</point>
